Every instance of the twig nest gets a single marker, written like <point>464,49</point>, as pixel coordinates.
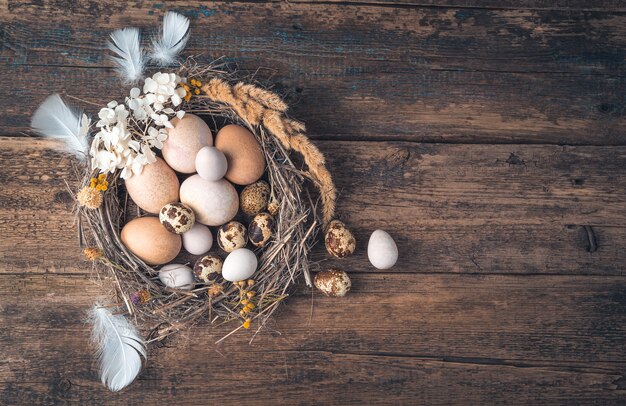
<point>211,163</point>
<point>177,218</point>
<point>382,250</point>
<point>214,203</point>
<point>254,197</point>
<point>339,240</point>
<point>177,276</point>
<point>208,268</point>
<point>232,236</point>
<point>261,229</point>
<point>239,265</point>
<point>246,161</point>
<point>184,141</point>
<point>333,282</point>
<point>150,241</point>
<point>198,240</point>
<point>156,186</point>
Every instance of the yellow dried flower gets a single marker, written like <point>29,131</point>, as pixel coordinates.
<point>196,91</point>
<point>89,197</point>
<point>92,253</point>
<point>250,294</point>
<point>144,296</point>
<point>272,207</point>
<point>245,302</point>
<point>246,324</point>
<point>215,290</point>
<point>250,306</point>
<point>250,282</point>
<point>102,177</point>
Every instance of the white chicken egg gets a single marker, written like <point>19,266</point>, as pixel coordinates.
<point>239,265</point>
<point>177,276</point>
<point>198,240</point>
<point>211,164</point>
<point>382,250</point>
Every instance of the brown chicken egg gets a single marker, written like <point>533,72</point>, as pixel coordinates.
<point>177,218</point>
<point>246,161</point>
<point>208,268</point>
<point>231,236</point>
<point>261,229</point>
<point>154,187</point>
<point>339,240</point>
<point>333,282</point>
<point>150,241</point>
<point>254,197</point>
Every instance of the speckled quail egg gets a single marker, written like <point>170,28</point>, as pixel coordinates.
<point>333,282</point>
<point>231,236</point>
<point>339,240</point>
<point>208,268</point>
<point>254,197</point>
<point>261,229</point>
<point>177,218</point>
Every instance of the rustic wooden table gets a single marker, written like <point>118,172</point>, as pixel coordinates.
<point>487,137</point>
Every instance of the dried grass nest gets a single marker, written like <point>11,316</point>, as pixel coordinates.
<point>223,98</point>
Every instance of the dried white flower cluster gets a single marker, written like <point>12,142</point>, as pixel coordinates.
<point>127,136</point>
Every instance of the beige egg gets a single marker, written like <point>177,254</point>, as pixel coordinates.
<point>333,282</point>
<point>246,161</point>
<point>208,268</point>
<point>177,218</point>
<point>150,241</point>
<point>213,203</point>
<point>254,197</point>
<point>156,186</point>
<point>339,240</point>
<point>232,236</point>
<point>261,229</point>
<point>184,141</point>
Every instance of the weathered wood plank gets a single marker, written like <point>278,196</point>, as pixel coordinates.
<point>452,208</point>
<point>426,74</point>
<point>542,338</point>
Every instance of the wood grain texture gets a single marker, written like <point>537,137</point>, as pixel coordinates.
<point>451,208</point>
<point>440,122</point>
<point>435,338</point>
<point>394,73</point>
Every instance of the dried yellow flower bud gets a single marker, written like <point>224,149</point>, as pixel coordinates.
<point>215,290</point>
<point>272,207</point>
<point>92,253</point>
<point>90,198</point>
<point>246,324</point>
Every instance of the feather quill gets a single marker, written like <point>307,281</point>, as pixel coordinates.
<point>173,38</point>
<point>120,348</point>
<point>126,45</point>
<point>55,119</point>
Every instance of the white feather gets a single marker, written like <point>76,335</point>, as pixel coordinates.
<point>129,60</point>
<point>174,36</point>
<point>55,119</point>
<point>120,348</point>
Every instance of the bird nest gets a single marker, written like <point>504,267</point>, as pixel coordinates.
<point>221,98</point>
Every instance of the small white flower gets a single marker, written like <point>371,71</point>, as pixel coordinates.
<point>134,92</point>
<point>180,114</point>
